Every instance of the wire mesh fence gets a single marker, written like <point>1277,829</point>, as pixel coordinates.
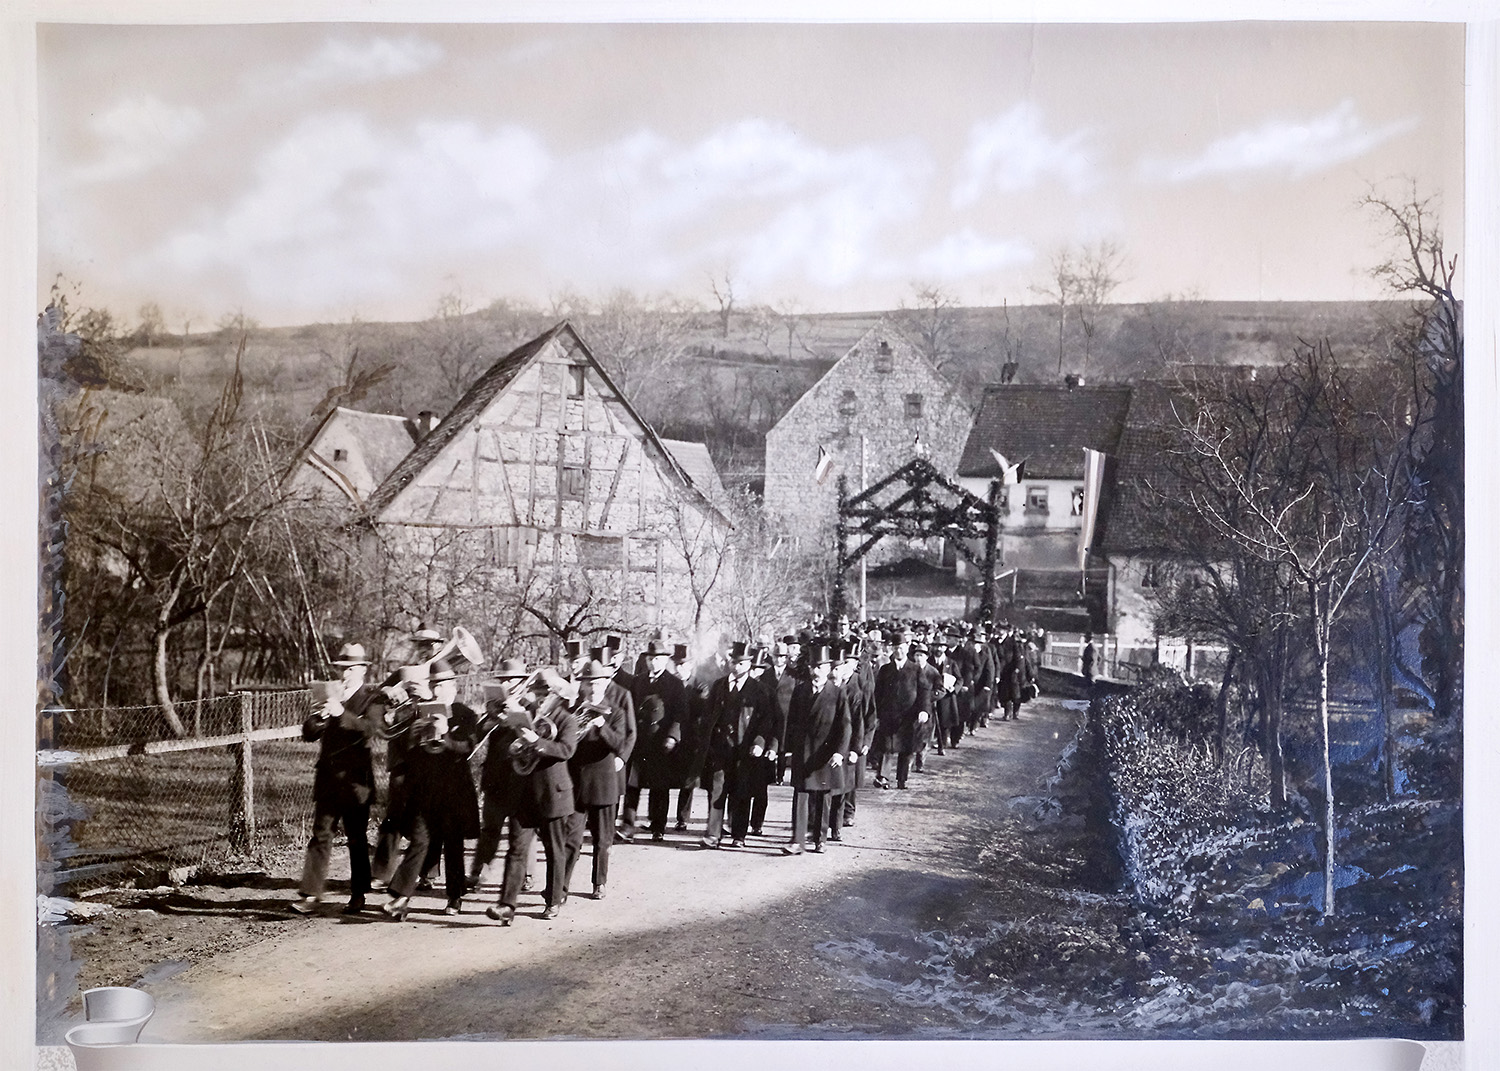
<point>125,795</point>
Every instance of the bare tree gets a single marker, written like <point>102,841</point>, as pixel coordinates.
<point>932,317</point>
<point>640,341</point>
<point>721,285</point>
<point>700,542</point>
<point>1432,342</point>
<point>152,324</point>
<point>1059,290</point>
<point>1315,470</point>
<point>1096,276</point>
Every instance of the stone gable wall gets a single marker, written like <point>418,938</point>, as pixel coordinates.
<point>808,510</point>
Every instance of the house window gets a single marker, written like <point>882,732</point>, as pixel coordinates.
<point>1075,508</point>
<point>1036,500</point>
<point>1150,574</point>
<point>884,359</point>
<point>341,455</point>
<point>577,374</point>
<point>913,407</point>
<point>848,404</point>
<point>571,485</point>
<point>1000,492</point>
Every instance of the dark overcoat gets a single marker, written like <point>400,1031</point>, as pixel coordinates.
<point>693,748</point>
<point>901,693</point>
<point>345,774</point>
<point>945,710</point>
<point>817,729</point>
<point>1013,672</point>
<point>981,676</point>
<point>597,778</point>
<point>660,710</point>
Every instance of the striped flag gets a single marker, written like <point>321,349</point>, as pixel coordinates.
<point>825,462</point>
<point>1093,484</point>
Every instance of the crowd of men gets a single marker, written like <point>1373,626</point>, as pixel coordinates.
<point>570,749</point>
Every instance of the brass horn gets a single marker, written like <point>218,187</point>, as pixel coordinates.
<point>461,651</point>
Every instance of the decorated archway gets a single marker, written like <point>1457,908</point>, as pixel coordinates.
<point>916,502</point>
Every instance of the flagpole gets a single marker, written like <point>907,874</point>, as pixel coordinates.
<point>862,590</point>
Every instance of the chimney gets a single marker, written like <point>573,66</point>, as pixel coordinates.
<point>426,421</point>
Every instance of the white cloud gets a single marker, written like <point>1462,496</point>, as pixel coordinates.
<point>966,253</point>
<point>1015,152</point>
<point>343,205</point>
<point>338,203</point>
<point>374,59</point>
<point>136,134</point>
<point>1297,148</point>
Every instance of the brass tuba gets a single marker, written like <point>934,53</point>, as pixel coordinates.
<point>545,721</point>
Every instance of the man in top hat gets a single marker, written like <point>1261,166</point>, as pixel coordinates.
<point>932,679</point>
<point>660,710</point>
<point>981,664</point>
<point>784,679</point>
<point>843,783</point>
<point>614,658</point>
<point>902,703</point>
<point>506,709</point>
<point>606,737</point>
<point>816,747</point>
<point>443,808</point>
<point>693,747</point>
<point>343,781</point>
<point>740,719</point>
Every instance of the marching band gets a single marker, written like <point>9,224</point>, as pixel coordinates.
<point>570,749</point>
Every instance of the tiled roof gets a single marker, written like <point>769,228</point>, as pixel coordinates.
<point>384,439</point>
<point>1142,476</point>
<point>1047,427</point>
<point>471,405</point>
<point>698,464</point>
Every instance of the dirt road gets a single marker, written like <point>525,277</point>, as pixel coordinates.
<point>690,942</point>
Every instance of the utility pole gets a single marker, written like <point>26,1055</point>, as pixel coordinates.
<point>863,593</point>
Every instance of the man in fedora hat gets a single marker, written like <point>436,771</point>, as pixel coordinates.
<point>817,743</point>
<point>740,720</point>
<point>506,708</point>
<point>606,738</point>
<point>660,710</point>
<point>544,806</point>
<point>343,780</point>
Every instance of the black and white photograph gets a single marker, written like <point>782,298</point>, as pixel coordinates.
<point>750,531</point>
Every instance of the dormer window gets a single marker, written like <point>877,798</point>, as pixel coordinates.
<point>341,455</point>
<point>884,359</point>
<point>913,407</point>
<point>848,404</point>
<point>577,376</point>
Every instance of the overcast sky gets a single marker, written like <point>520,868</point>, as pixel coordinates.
<point>318,172</point>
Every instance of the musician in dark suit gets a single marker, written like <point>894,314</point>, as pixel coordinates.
<point>443,806</point>
<point>740,720</point>
<point>544,805</point>
<point>660,709</point>
<point>606,736</point>
<point>817,745</point>
<point>503,716</point>
<point>343,781</point>
<point>405,686</point>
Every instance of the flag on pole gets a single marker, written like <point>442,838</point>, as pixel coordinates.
<point>1093,484</point>
<point>1011,474</point>
<point>825,462</point>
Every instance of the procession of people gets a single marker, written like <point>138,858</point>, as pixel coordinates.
<point>566,751</point>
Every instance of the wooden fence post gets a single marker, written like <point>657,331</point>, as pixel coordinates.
<point>242,802</point>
